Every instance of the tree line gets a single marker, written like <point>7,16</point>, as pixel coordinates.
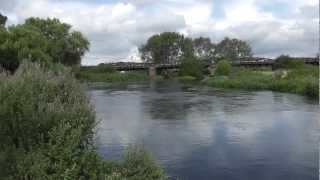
<point>172,47</point>
<point>49,40</point>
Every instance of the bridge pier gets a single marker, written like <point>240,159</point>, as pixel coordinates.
<point>152,71</point>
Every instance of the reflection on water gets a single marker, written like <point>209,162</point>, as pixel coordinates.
<point>202,133</point>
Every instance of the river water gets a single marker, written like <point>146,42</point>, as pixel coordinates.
<point>203,133</point>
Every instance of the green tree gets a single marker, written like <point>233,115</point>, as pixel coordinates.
<point>233,49</point>
<point>190,66</point>
<point>64,46</point>
<point>204,49</point>
<point>43,41</point>
<point>167,47</point>
<point>3,20</point>
<point>21,43</point>
<point>223,68</point>
<point>287,62</point>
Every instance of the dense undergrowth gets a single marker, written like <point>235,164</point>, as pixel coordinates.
<point>46,131</point>
<point>302,80</point>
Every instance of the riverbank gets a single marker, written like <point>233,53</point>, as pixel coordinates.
<point>114,76</point>
<point>304,80</point>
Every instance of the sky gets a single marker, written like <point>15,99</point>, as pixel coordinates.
<point>116,28</point>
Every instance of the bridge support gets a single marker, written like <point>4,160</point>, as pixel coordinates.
<point>152,71</point>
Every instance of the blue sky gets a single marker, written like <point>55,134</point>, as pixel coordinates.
<point>117,28</point>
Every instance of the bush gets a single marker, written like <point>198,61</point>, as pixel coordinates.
<point>223,68</point>
<point>46,129</point>
<point>191,66</point>
<point>303,81</point>
<point>287,62</point>
<point>105,68</point>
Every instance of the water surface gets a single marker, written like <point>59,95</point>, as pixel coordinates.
<point>203,133</point>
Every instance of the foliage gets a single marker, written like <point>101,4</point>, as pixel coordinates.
<point>302,81</point>
<point>138,164</point>
<point>105,68</point>
<point>171,47</point>
<point>3,20</point>
<point>233,49</point>
<point>42,41</point>
<point>223,68</point>
<point>191,66</point>
<point>167,47</point>
<point>287,62</point>
<point>46,131</point>
<point>204,49</point>
<point>103,73</point>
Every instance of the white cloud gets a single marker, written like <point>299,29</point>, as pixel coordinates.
<point>116,29</point>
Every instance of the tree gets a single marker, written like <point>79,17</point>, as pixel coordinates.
<point>287,62</point>
<point>233,49</point>
<point>204,49</point>
<point>167,47</point>
<point>65,46</point>
<point>21,43</point>
<point>3,20</point>
<point>43,41</point>
<point>223,68</point>
<point>190,66</point>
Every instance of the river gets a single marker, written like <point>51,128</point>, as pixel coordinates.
<point>202,133</point>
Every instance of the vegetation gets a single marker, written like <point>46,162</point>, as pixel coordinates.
<point>303,80</point>
<point>167,47</point>
<point>204,49</point>
<point>40,40</point>
<point>233,49</point>
<point>223,68</point>
<point>191,67</point>
<point>46,130</point>
<point>105,73</point>
<point>287,62</point>
<point>172,47</point>
<point>46,123</point>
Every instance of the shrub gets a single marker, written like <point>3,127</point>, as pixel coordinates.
<point>46,129</point>
<point>191,66</point>
<point>223,68</point>
<point>302,81</point>
<point>105,68</point>
<point>287,62</point>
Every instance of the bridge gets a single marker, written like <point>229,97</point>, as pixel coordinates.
<point>131,66</point>
<point>244,62</point>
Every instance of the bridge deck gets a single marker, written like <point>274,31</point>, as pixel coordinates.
<point>257,62</point>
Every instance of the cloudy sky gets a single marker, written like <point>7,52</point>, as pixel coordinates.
<point>116,28</point>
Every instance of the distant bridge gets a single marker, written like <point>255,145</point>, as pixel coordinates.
<point>244,62</point>
<point>129,66</point>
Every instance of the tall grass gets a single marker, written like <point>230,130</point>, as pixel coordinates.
<point>99,75</point>
<point>46,131</point>
<point>303,80</point>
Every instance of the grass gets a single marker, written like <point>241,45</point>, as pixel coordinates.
<point>303,80</point>
<point>106,74</point>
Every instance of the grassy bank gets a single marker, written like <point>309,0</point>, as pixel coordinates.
<point>303,80</point>
<point>46,127</point>
<point>107,74</point>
